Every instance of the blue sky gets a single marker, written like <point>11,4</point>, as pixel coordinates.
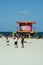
<point>12,11</point>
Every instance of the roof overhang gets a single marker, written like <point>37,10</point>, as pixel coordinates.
<point>26,22</point>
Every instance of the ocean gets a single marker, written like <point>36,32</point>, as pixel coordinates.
<point>6,33</point>
<point>9,33</point>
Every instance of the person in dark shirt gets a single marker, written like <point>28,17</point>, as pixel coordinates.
<point>22,41</point>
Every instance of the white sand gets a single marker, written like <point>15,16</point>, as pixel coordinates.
<point>31,54</point>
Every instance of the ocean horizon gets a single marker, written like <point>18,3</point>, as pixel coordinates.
<point>9,33</point>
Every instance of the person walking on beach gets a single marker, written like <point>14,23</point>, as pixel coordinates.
<point>22,41</point>
<point>16,42</point>
<point>7,40</point>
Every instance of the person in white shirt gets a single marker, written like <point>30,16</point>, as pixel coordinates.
<point>7,40</point>
<point>16,42</point>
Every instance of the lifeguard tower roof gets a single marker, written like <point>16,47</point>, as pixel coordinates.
<point>26,22</point>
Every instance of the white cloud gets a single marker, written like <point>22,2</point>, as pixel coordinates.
<point>21,12</point>
<point>24,12</point>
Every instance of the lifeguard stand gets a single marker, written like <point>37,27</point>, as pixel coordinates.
<point>25,27</point>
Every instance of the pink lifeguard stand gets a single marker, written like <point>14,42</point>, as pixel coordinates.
<point>26,26</point>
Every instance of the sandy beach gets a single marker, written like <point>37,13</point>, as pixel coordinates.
<point>31,54</point>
